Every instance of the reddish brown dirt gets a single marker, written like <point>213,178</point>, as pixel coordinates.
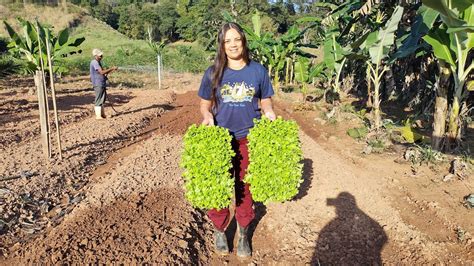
<point>117,197</point>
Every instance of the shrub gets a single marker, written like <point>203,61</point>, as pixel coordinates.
<point>3,45</point>
<point>9,65</point>
<point>358,132</point>
<point>207,160</point>
<point>275,169</point>
<point>186,58</point>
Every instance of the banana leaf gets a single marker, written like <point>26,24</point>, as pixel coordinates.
<point>316,70</point>
<point>439,40</point>
<point>385,37</point>
<point>450,15</point>
<point>333,52</point>
<point>257,23</point>
<point>301,69</point>
<point>26,43</point>
<point>424,21</point>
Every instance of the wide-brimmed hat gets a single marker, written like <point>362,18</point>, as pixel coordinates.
<point>97,52</point>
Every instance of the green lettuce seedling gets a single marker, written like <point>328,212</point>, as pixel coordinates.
<point>275,168</point>
<point>207,160</point>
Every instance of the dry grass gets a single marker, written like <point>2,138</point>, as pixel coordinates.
<point>59,17</point>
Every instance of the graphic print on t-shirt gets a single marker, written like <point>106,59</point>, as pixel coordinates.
<point>238,92</point>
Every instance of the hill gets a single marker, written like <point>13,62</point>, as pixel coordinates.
<point>119,49</point>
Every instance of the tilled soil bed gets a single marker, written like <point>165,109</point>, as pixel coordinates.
<point>117,195</point>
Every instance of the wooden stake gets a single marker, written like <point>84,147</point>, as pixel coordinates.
<point>42,113</point>
<point>53,94</point>
<point>42,101</point>
<point>158,59</point>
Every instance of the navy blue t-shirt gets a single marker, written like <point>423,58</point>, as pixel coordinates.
<point>237,96</point>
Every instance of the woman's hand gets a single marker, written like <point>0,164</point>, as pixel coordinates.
<point>270,115</point>
<point>208,120</point>
<point>205,108</point>
<point>267,108</point>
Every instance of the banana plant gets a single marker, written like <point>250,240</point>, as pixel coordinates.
<point>158,50</point>
<point>452,43</point>
<point>305,74</point>
<point>424,21</point>
<point>261,44</point>
<point>333,28</point>
<point>157,47</point>
<point>302,75</point>
<point>284,52</point>
<point>278,61</point>
<point>27,43</point>
<point>378,43</point>
<point>334,58</point>
<point>275,53</point>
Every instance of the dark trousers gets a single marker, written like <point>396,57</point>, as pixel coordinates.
<point>244,213</point>
<point>100,95</point>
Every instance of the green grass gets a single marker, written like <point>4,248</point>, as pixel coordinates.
<point>118,49</point>
<point>121,51</point>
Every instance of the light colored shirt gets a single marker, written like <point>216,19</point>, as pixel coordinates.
<point>97,79</point>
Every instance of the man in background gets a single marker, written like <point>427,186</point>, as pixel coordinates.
<point>99,80</point>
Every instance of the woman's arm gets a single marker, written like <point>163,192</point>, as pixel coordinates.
<point>267,108</point>
<point>205,108</point>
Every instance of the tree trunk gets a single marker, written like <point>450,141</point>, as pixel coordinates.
<point>276,82</point>
<point>389,83</point>
<point>441,107</point>
<point>287,71</point>
<point>376,105</point>
<point>304,91</point>
<point>292,70</point>
<point>369,89</point>
<point>453,126</point>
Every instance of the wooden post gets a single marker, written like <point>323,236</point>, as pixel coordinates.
<point>158,58</point>
<point>53,94</point>
<point>43,101</point>
<point>42,113</point>
<point>162,68</point>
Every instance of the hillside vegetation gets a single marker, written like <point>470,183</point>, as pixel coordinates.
<point>119,49</point>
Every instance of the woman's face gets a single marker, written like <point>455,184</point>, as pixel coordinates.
<point>233,44</point>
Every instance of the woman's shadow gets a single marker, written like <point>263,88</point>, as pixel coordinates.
<point>352,238</point>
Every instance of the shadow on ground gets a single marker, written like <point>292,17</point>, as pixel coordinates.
<point>307,179</point>
<point>165,107</point>
<point>351,238</point>
<point>70,102</point>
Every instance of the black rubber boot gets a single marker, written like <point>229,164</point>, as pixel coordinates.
<point>243,247</point>
<point>221,242</point>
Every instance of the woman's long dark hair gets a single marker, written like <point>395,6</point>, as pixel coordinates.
<point>220,62</point>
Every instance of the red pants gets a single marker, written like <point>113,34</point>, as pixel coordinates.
<point>244,212</point>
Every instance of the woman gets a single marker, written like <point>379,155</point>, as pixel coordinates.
<point>230,93</point>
